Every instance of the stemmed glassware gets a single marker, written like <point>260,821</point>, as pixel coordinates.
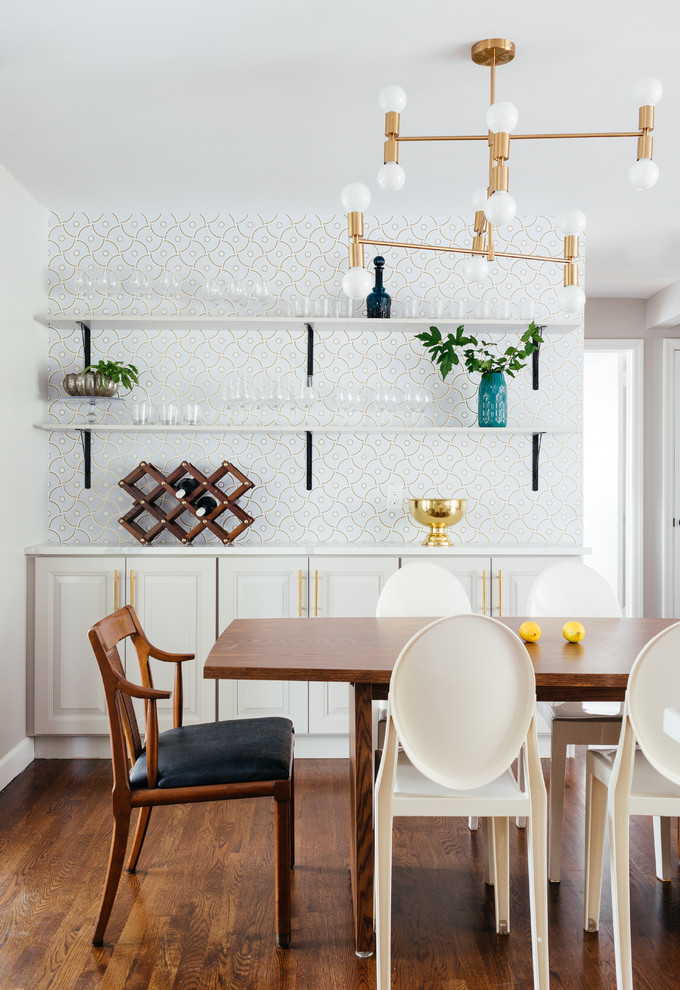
<point>213,292</point>
<point>350,400</point>
<point>416,399</point>
<point>261,294</point>
<point>385,399</point>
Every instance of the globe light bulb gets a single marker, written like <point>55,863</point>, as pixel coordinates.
<point>502,116</point>
<point>392,98</point>
<point>500,208</point>
<point>643,174</point>
<point>571,222</point>
<point>356,197</point>
<point>647,92</point>
<point>571,299</point>
<point>357,283</point>
<point>476,268</point>
<point>391,177</point>
<point>479,198</point>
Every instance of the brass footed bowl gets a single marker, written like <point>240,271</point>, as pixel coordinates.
<point>438,514</point>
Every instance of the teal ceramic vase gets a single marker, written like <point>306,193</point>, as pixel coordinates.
<point>492,399</point>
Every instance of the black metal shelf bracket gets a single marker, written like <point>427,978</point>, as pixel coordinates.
<point>310,384</point>
<point>86,441</point>
<point>86,435</point>
<point>536,441</point>
<point>535,363</point>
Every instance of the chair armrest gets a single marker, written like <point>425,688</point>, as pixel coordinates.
<point>170,657</point>
<point>137,691</point>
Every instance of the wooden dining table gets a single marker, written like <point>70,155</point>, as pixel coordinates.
<point>362,653</point>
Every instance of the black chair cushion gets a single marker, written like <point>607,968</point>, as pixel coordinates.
<point>227,752</point>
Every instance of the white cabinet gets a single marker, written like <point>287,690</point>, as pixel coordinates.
<point>305,588</point>
<point>71,594</point>
<point>175,600</point>
<point>495,585</point>
<point>263,588</point>
<point>341,587</point>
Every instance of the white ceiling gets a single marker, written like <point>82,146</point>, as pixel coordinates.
<point>270,106</point>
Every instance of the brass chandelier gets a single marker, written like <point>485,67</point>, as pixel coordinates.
<point>493,204</point>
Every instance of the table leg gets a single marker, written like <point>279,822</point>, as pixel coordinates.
<point>361,815</point>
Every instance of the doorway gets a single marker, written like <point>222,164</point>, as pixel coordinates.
<point>612,465</point>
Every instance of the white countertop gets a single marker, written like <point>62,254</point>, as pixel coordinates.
<point>310,550</point>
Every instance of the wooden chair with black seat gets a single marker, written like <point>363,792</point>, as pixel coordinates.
<point>218,761</point>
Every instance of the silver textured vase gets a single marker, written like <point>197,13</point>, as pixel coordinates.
<point>90,383</point>
<point>70,386</point>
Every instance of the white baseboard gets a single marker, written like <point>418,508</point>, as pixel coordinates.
<point>12,764</point>
<point>72,748</point>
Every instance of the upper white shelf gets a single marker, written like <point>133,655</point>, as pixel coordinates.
<point>358,323</point>
<point>529,428</point>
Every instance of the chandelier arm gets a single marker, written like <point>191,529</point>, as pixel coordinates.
<point>522,137</point>
<point>461,250</point>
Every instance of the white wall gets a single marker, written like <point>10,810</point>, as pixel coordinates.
<point>611,318</point>
<point>23,503</point>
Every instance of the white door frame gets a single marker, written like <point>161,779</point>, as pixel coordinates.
<point>631,457</point>
<point>670,497</point>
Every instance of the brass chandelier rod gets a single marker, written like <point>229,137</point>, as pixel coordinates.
<point>459,250</point>
<point>522,137</point>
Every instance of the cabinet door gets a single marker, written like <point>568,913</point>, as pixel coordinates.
<point>175,599</point>
<point>71,594</point>
<point>474,573</point>
<point>263,588</point>
<point>512,578</point>
<point>339,587</point>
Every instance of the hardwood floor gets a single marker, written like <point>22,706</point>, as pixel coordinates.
<point>200,911</point>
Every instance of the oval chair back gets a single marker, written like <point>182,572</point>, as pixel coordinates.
<point>422,589</point>
<point>653,684</point>
<point>572,588</point>
<point>462,696</point>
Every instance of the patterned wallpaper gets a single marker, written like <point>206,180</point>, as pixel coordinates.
<point>352,471</point>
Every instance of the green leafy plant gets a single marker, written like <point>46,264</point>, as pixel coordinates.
<point>126,374</point>
<point>477,355</point>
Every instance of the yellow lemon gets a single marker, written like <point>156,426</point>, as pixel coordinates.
<point>530,632</point>
<point>573,632</point>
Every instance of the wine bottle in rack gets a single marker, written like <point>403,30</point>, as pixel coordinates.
<point>185,486</point>
<point>205,504</point>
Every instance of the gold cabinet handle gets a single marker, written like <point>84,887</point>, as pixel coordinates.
<point>483,592</point>
<point>500,594</point>
<point>316,594</point>
<point>132,588</point>
<point>115,591</point>
<point>300,596</point>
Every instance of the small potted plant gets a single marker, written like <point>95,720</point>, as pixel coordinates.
<point>102,379</point>
<point>481,356</point>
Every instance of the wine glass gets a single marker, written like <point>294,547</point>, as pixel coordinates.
<point>167,285</point>
<point>261,294</point>
<point>106,284</point>
<point>385,400</point>
<point>138,284</point>
<point>236,293</point>
<point>350,399</point>
<point>213,292</point>
<point>416,399</point>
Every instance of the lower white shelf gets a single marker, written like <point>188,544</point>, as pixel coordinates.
<point>529,428</point>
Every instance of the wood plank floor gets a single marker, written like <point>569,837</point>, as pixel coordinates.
<point>199,913</point>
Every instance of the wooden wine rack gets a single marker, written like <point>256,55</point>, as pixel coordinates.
<point>171,520</point>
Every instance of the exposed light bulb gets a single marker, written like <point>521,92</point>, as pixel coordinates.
<point>571,222</point>
<point>502,116</point>
<point>476,268</point>
<point>479,198</point>
<point>571,299</point>
<point>391,177</point>
<point>643,174</point>
<point>357,283</point>
<point>356,197</point>
<point>500,208</point>
<point>647,92</point>
<point>392,98</point>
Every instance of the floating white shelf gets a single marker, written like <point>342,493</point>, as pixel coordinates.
<point>445,431</point>
<point>358,323</point>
